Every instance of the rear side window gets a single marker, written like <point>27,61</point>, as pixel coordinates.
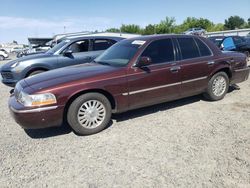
<point>204,50</point>
<point>160,51</point>
<point>188,48</point>
<point>102,44</point>
<point>79,46</point>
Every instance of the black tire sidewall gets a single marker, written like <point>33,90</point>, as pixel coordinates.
<point>210,93</point>
<point>77,103</point>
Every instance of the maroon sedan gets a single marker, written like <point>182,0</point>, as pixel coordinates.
<point>133,73</point>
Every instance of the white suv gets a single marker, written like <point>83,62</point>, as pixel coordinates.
<point>3,54</point>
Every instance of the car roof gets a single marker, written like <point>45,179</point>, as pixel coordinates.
<point>161,36</point>
<point>92,37</point>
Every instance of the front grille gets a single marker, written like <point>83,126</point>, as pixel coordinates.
<point>7,75</point>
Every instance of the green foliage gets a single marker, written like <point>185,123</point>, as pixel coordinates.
<point>132,28</point>
<point>168,25</point>
<point>114,30</point>
<point>149,30</point>
<point>165,26</point>
<point>234,22</point>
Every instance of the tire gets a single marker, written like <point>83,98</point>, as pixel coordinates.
<point>89,124</point>
<point>222,81</point>
<point>1,58</point>
<point>35,72</point>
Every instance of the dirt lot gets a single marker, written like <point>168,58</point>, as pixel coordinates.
<point>186,143</point>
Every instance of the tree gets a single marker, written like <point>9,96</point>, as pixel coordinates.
<point>165,26</point>
<point>114,30</point>
<point>234,22</point>
<point>132,28</point>
<point>149,30</point>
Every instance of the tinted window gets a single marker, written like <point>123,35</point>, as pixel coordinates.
<point>204,50</point>
<point>238,40</point>
<point>160,51</point>
<point>80,46</point>
<point>102,44</point>
<point>188,48</point>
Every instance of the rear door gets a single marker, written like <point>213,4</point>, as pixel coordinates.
<point>157,82</point>
<point>195,62</point>
<point>98,46</point>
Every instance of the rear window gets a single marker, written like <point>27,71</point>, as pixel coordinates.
<point>188,48</point>
<point>204,50</point>
<point>102,44</point>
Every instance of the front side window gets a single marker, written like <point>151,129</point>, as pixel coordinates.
<point>102,44</point>
<point>160,51</point>
<point>79,46</point>
<point>204,50</point>
<point>188,48</point>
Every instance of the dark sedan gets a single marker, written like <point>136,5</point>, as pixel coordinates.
<point>68,52</point>
<point>232,43</point>
<point>131,74</point>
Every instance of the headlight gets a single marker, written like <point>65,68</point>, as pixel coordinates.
<point>14,65</point>
<point>36,100</point>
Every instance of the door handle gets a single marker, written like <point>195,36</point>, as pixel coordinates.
<point>211,63</point>
<point>175,69</point>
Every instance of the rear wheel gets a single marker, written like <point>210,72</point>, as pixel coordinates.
<point>89,113</point>
<point>217,87</point>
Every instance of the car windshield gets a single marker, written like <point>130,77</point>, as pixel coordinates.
<point>121,53</point>
<point>57,47</point>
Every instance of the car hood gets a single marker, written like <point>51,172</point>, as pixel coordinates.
<point>24,59</point>
<point>70,74</point>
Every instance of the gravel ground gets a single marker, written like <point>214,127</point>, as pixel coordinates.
<point>186,143</point>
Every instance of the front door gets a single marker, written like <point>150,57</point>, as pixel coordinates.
<point>157,82</point>
<point>80,54</point>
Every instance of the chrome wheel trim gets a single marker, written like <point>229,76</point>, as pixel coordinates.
<point>219,86</point>
<point>91,114</point>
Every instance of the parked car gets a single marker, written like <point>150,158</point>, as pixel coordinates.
<point>16,50</point>
<point>32,51</point>
<point>232,43</point>
<point>195,31</point>
<point>3,54</point>
<point>69,52</point>
<point>131,74</point>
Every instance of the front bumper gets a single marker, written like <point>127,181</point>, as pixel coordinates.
<point>35,118</point>
<point>240,75</point>
<point>10,78</point>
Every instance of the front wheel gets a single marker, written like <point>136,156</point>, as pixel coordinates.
<point>90,113</point>
<point>217,87</point>
<point>35,73</point>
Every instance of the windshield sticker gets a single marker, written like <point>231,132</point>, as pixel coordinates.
<point>138,42</point>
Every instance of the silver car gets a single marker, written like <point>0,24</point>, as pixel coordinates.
<point>195,31</point>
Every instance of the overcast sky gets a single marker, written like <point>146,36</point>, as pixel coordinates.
<point>44,18</point>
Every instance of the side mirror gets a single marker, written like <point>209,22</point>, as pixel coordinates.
<point>144,61</point>
<point>67,52</point>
